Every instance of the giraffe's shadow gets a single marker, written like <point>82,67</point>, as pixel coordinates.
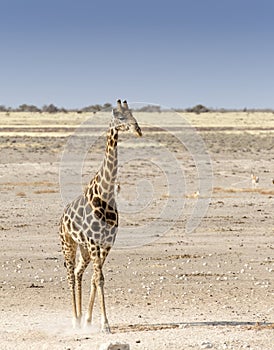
<point>163,326</point>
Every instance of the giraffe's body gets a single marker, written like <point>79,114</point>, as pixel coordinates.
<point>90,222</point>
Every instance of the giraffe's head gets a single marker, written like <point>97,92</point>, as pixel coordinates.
<point>123,119</point>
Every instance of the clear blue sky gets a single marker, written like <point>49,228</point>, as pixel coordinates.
<point>174,53</point>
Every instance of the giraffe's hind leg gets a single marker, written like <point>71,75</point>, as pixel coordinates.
<point>69,248</point>
<point>93,286</point>
<point>100,288</point>
<point>84,260</point>
<point>98,257</point>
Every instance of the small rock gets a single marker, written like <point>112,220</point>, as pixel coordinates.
<point>116,346</point>
<point>206,345</point>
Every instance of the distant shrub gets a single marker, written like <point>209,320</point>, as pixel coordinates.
<point>150,109</point>
<point>3,108</point>
<point>96,108</point>
<point>91,109</point>
<point>107,106</point>
<point>198,109</point>
<point>28,108</point>
<point>62,110</point>
<point>50,109</point>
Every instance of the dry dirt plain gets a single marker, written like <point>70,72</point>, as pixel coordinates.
<point>211,288</point>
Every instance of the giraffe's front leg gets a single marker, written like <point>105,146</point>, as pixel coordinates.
<point>97,284</point>
<point>91,301</point>
<point>93,251</point>
<point>101,296</point>
<point>99,280</point>
<point>84,260</point>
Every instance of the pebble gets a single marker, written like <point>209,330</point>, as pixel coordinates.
<point>206,345</point>
<point>116,346</point>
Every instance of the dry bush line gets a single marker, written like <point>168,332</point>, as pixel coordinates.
<point>248,190</point>
<point>260,327</point>
<point>175,257</point>
<point>45,191</point>
<point>36,183</point>
<point>21,194</point>
<point>156,327</point>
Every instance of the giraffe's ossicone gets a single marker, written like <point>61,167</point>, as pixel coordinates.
<point>90,222</point>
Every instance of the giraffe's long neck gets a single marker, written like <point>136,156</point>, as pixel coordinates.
<point>103,183</point>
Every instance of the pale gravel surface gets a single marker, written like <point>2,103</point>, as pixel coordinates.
<point>212,288</point>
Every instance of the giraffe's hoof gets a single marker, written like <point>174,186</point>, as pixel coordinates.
<point>87,323</point>
<point>106,329</point>
<point>76,322</point>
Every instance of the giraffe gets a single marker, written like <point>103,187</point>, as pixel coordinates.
<point>90,222</point>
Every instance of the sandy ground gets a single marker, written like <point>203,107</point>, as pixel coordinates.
<point>211,288</point>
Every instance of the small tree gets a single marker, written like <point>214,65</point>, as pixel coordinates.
<point>198,109</point>
<point>150,109</point>
<point>107,106</point>
<point>3,108</point>
<point>91,109</point>
<point>28,108</point>
<point>50,108</point>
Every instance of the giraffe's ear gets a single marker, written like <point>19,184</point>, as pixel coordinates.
<point>119,105</point>
<point>125,105</point>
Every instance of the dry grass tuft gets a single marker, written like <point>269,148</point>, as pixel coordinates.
<point>45,191</point>
<point>260,327</point>
<point>236,190</point>
<point>35,183</point>
<point>21,194</point>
